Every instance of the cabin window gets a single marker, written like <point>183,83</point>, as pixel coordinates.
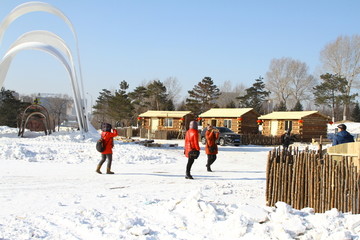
<point>227,123</point>
<point>168,122</point>
<point>288,125</point>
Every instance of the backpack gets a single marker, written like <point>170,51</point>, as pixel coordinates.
<point>100,146</point>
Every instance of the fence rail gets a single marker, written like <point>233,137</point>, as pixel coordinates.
<point>305,179</point>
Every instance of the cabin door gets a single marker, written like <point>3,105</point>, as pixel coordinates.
<point>213,122</point>
<point>274,127</point>
<point>154,124</point>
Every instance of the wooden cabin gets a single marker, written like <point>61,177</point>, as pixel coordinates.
<point>165,120</point>
<point>306,125</point>
<point>239,120</point>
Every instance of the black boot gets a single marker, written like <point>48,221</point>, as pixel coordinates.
<point>188,176</point>
<point>208,168</point>
<point>188,168</point>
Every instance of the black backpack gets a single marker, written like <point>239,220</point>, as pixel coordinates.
<point>100,145</point>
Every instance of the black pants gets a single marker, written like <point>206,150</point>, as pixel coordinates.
<point>103,159</point>
<point>211,159</point>
<point>188,165</point>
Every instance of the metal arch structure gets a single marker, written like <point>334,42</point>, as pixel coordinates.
<point>7,59</point>
<point>24,122</point>
<point>42,111</point>
<point>48,42</point>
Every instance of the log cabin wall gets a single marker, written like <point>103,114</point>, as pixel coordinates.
<point>247,125</point>
<point>178,123</point>
<point>312,126</point>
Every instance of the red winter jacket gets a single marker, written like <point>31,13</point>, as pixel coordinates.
<point>108,140</point>
<point>191,141</point>
<point>211,138</point>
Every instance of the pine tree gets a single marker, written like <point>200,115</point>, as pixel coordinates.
<point>255,96</point>
<point>280,107</point>
<point>139,99</point>
<point>10,108</point>
<point>298,107</point>
<point>158,98</point>
<point>331,92</point>
<point>101,108</point>
<point>120,107</point>
<point>231,104</point>
<point>356,113</point>
<point>203,96</point>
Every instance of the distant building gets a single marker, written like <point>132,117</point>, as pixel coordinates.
<point>305,124</point>
<point>239,120</point>
<point>165,120</point>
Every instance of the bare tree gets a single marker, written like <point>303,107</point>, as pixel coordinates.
<point>288,79</point>
<point>342,57</point>
<point>229,93</point>
<point>57,107</point>
<point>173,89</point>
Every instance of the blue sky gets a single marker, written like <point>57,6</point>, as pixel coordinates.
<point>139,41</point>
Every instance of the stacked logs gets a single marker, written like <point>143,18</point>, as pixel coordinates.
<point>307,179</point>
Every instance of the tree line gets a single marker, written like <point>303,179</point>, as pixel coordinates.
<point>287,86</point>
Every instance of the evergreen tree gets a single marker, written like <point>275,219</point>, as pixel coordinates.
<point>203,96</point>
<point>298,107</point>
<point>120,107</point>
<point>158,98</point>
<point>101,108</point>
<point>231,104</point>
<point>116,108</point>
<point>139,99</point>
<point>356,113</point>
<point>255,96</point>
<point>280,107</point>
<point>331,92</point>
<point>10,108</point>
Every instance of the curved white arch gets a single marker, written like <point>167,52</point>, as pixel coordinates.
<point>51,39</point>
<point>33,7</point>
<point>45,7</point>
<point>7,59</point>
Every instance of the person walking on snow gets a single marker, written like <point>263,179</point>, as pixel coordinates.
<point>107,135</point>
<point>211,148</point>
<point>191,146</point>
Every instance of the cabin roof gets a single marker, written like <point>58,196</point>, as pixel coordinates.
<point>169,114</point>
<point>291,115</point>
<point>227,112</point>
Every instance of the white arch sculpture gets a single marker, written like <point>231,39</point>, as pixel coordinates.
<point>48,42</point>
<point>50,39</point>
<point>8,57</point>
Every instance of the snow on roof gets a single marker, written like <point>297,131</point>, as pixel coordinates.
<point>290,115</point>
<point>173,114</point>
<point>226,112</point>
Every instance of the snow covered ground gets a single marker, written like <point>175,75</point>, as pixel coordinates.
<point>49,190</point>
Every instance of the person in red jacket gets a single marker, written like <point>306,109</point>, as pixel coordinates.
<point>192,149</point>
<point>211,149</point>
<point>107,135</point>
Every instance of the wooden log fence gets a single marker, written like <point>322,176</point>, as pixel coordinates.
<point>258,139</point>
<point>308,179</point>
